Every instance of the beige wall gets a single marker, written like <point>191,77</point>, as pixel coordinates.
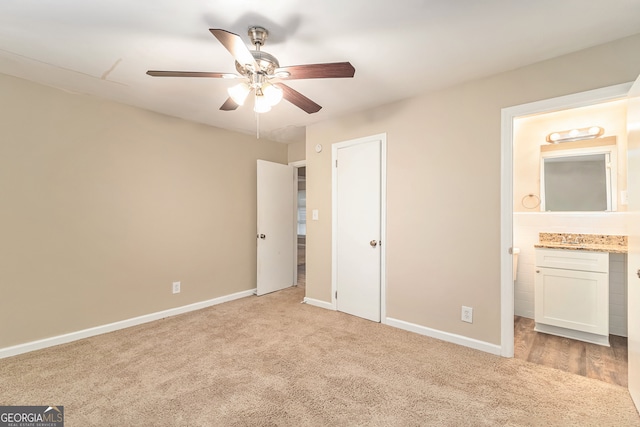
<point>443,187</point>
<point>104,206</point>
<point>296,151</point>
<point>529,134</point>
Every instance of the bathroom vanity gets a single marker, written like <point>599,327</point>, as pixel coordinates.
<point>572,285</point>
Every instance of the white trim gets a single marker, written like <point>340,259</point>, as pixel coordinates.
<point>576,100</point>
<point>298,163</point>
<point>98,330</point>
<point>384,243</point>
<point>445,336</point>
<point>507,309</point>
<point>318,303</point>
<point>382,137</point>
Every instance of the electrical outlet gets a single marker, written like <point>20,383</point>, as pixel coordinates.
<point>176,287</point>
<point>624,197</point>
<point>467,314</point>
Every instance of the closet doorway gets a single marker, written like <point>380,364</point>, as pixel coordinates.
<point>301,221</point>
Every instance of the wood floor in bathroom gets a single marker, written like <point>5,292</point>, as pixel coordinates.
<point>607,364</point>
<point>302,270</point>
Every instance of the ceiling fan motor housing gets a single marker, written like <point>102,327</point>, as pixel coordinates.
<point>258,35</point>
<point>267,64</point>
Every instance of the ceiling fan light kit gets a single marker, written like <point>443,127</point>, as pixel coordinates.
<point>261,104</point>
<point>273,93</point>
<point>266,95</point>
<point>239,93</point>
<point>260,71</point>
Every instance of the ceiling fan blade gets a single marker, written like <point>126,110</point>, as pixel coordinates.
<point>156,73</point>
<point>229,105</point>
<point>298,99</point>
<point>234,44</point>
<point>319,71</point>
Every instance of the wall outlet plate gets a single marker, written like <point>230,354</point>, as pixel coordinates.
<point>467,314</point>
<point>176,287</point>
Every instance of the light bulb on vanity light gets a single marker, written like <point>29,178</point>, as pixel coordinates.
<point>554,137</point>
<point>595,130</point>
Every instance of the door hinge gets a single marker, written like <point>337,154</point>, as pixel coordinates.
<point>336,163</point>
<point>336,294</point>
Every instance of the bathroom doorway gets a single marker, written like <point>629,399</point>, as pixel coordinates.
<point>529,128</point>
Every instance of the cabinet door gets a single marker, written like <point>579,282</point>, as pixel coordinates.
<point>572,299</point>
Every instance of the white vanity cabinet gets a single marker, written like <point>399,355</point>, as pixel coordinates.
<point>572,294</point>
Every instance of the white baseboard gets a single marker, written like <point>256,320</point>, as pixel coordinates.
<point>86,333</point>
<point>445,336</point>
<point>318,303</point>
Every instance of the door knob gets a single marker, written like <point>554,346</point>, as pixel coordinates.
<point>373,243</point>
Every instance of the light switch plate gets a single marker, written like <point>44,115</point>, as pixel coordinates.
<point>314,214</point>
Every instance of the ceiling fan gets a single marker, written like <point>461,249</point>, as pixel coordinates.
<point>260,70</point>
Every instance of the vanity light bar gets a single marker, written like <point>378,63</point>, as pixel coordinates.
<point>575,134</point>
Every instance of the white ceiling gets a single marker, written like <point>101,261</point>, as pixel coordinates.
<point>398,48</point>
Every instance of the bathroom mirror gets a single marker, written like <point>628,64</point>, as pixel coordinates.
<point>578,180</point>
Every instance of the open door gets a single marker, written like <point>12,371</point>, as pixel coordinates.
<point>275,228</point>
<point>633,260</point>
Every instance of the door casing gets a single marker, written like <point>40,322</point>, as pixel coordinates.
<point>633,258</point>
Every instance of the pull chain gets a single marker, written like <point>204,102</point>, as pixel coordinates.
<point>257,125</point>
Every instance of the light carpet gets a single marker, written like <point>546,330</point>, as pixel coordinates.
<point>271,361</point>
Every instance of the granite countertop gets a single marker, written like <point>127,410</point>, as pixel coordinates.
<point>586,242</point>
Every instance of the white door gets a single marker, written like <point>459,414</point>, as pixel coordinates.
<point>357,226</point>
<point>275,230</point>
<point>633,260</point>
